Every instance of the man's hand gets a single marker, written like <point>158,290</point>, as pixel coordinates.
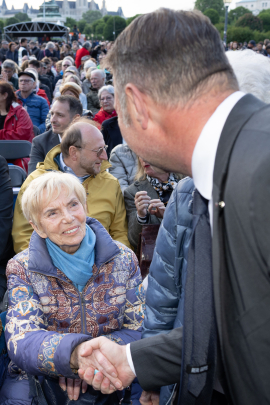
<point>110,360</point>
<point>149,398</point>
<point>73,387</point>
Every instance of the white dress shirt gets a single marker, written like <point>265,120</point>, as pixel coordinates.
<point>203,162</point>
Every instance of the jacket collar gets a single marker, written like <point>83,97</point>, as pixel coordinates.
<point>40,261</point>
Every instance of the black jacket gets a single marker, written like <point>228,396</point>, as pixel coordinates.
<point>45,80</point>
<point>35,51</point>
<point>12,55</point>
<point>111,133</point>
<point>6,216</point>
<point>41,145</point>
<point>3,54</point>
<point>47,91</point>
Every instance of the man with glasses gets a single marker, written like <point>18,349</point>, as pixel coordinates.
<point>97,80</point>
<point>8,70</point>
<point>36,106</point>
<point>82,153</point>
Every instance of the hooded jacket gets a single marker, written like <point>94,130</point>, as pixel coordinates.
<point>103,115</point>
<point>37,108</point>
<point>104,202</point>
<point>18,125</point>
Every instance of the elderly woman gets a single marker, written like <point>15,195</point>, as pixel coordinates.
<point>69,77</point>
<point>147,198</point>
<point>50,50</point>
<point>97,79</point>
<point>72,284</point>
<point>12,52</point>
<point>8,70</point>
<point>70,70</point>
<point>106,99</point>
<point>88,67</point>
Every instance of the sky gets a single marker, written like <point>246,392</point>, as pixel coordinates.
<point>130,8</point>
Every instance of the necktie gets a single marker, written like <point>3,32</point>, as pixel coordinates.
<point>199,334</point>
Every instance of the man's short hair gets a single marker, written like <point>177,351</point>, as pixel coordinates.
<point>179,52</point>
<point>101,72</point>
<point>9,64</point>
<point>23,40</point>
<point>75,106</point>
<point>35,63</point>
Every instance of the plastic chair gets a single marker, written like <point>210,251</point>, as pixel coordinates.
<point>36,130</point>
<point>15,149</point>
<point>17,175</point>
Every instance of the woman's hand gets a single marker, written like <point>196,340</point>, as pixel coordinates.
<point>142,201</point>
<point>156,208</point>
<point>149,398</point>
<point>73,387</point>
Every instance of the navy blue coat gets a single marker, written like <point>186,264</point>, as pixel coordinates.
<point>165,293</point>
<point>37,107</point>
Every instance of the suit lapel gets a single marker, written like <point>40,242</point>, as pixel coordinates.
<point>240,114</point>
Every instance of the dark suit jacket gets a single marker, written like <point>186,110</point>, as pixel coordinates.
<point>41,145</point>
<point>111,133</point>
<point>241,261</point>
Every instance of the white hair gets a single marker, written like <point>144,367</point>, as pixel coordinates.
<point>50,45</point>
<point>101,72</point>
<point>252,71</point>
<point>88,64</point>
<point>109,89</point>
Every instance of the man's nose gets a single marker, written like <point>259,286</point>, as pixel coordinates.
<point>104,155</point>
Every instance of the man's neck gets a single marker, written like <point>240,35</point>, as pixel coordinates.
<point>78,171</point>
<point>26,94</point>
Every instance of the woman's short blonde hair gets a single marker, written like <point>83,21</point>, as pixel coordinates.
<point>53,183</point>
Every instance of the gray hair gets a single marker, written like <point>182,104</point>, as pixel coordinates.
<point>72,69</point>
<point>75,77</point>
<point>252,71</point>
<point>50,45</point>
<point>9,64</point>
<point>88,64</point>
<point>101,72</point>
<point>87,45</point>
<point>53,183</point>
<point>70,59</point>
<point>179,52</point>
<point>109,89</point>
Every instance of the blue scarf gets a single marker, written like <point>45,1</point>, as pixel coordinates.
<point>79,266</point>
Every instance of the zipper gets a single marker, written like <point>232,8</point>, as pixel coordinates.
<point>83,311</point>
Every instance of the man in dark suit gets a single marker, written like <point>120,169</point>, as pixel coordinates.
<point>193,120</point>
<point>64,110</point>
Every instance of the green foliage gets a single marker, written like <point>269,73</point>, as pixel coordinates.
<point>236,13</point>
<point>2,24</point>
<point>81,25</point>
<point>99,28</point>
<point>220,28</point>
<point>217,5</point>
<point>70,22</point>
<point>22,17</point>
<point>265,18</point>
<point>213,15</point>
<point>239,34</point>
<point>92,15</point>
<point>105,18</point>
<point>260,36</point>
<point>12,20</point>
<point>130,19</point>
<point>88,30</point>
<point>249,20</point>
<point>120,25</point>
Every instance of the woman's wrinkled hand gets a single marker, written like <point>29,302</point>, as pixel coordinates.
<point>73,387</point>
<point>157,208</point>
<point>142,201</point>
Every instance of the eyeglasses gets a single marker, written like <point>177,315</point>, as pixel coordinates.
<point>98,152</point>
<point>26,81</point>
<point>106,99</point>
<point>66,65</point>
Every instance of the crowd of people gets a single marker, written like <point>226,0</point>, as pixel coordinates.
<point>152,130</point>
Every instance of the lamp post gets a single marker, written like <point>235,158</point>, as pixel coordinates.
<point>226,3</point>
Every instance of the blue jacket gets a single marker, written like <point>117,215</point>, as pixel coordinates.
<point>37,107</point>
<point>165,293</point>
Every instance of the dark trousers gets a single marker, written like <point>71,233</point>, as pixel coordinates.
<point>218,398</point>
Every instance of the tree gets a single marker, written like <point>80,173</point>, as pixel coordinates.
<point>70,23</point>
<point>213,15</point>
<point>2,24</point>
<point>22,17</point>
<point>264,16</point>
<point>117,23</point>
<point>130,19</point>
<point>239,34</point>
<point>91,15</point>
<point>249,20</point>
<point>100,28</point>
<point>88,30</point>
<point>203,5</point>
<point>236,13</point>
<point>81,24</point>
<point>105,18</point>
<point>12,20</point>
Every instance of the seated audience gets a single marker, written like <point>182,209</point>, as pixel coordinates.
<point>64,110</point>
<point>106,99</point>
<point>6,216</point>
<point>71,70</point>
<point>34,50</point>
<point>65,51</point>
<point>45,83</point>
<point>82,52</point>
<point>123,165</point>
<point>12,53</point>
<point>88,67</point>
<point>35,105</point>
<point>39,91</point>
<point>67,62</point>
<point>111,133</point>
<point>50,50</point>
<point>71,78</point>
<point>82,153</point>
<point>147,198</point>
<point>64,290</point>
<point>8,70</point>
<point>97,79</point>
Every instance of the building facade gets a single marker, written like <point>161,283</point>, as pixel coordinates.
<point>254,6</point>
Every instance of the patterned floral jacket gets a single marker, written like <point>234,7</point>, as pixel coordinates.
<point>48,317</point>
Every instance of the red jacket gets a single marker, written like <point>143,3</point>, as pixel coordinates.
<point>104,115</point>
<point>42,93</point>
<point>79,54</point>
<point>18,126</point>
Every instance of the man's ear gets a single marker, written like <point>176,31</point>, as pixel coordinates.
<point>73,153</point>
<point>137,105</point>
<point>38,230</point>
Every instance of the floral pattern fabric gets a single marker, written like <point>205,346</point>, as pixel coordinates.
<point>162,188</point>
